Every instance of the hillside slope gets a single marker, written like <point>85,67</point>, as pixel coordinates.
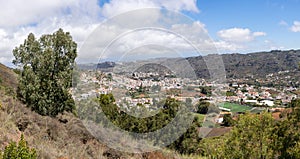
<point>7,77</point>
<point>63,137</point>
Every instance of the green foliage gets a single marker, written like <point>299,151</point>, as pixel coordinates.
<point>109,76</point>
<point>127,122</point>
<point>19,151</point>
<point>187,143</point>
<point>259,136</point>
<point>137,93</point>
<point>250,138</point>
<point>213,148</point>
<point>288,133</point>
<point>202,107</point>
<point>244,90</point>
<point>206,90</point>
<point>228,121</point>
<point>229,93</point>
<point>47,65</point>
<point>294,152</point>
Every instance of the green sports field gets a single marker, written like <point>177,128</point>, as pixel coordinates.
<point>234,107</point>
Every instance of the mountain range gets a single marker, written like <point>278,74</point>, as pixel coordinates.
<point>236,65</point>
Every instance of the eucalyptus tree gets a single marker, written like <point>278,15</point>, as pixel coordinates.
<point>46,72</point>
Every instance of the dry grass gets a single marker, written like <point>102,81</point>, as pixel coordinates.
<point>54,139</point>
<point>8,77</point>
<point>51,137</point>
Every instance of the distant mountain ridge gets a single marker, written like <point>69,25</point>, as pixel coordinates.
<point>237,65</point>
<point>257,64</point>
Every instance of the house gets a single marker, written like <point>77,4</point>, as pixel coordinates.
<point>251,101</point>
<point>267,102</point>
<point>220,120</point>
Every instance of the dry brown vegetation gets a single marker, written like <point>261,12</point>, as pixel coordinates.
<point>63,137</point>
<point>7,77</point>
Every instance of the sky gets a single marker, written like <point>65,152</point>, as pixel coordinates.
<point>136,29</point>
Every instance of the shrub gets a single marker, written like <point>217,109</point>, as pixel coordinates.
<point>19,151</point>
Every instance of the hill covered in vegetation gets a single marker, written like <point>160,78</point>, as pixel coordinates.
<point>63,136</point>
<point>257,64</point>
<point>237,65</point>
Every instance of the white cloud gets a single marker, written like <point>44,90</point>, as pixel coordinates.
<point>295,27</point>
<point>80,17</point>
<point>115,7</point>
<point>154,42</point>
<point>179,5</point>
<point>239,35</point>
<point>148,44</point>
<point>4,60</point>
<point>194,30</point>
<point>228,46</point>
<point>237,39</point>
<point>15,12</point>
<point>6,45</point>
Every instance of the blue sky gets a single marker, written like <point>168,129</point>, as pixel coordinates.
<point>274,17</point>
<point>234,26</point>
<point>267,24</point>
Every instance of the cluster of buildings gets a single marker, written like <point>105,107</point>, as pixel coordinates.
<point>261,96</point>
<point>145,89</point>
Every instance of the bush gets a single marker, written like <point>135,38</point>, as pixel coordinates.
<point>19,151</point>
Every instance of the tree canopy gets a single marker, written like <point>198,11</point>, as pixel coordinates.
<point>46,72</point>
